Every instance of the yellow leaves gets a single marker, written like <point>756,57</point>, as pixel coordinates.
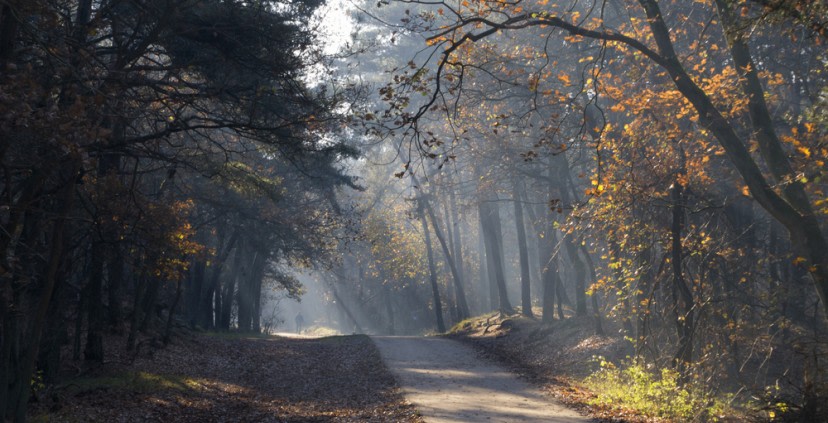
<point>618,107</point>
<point>745,191</point>
<point>434,40</point>
<point>805,151</point>
<point>564,78</point>
<point>533,82</point>
<point>799,260</point>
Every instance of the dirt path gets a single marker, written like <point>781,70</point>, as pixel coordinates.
<point>447,382</point>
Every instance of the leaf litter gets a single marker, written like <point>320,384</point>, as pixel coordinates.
<point>208,378</point>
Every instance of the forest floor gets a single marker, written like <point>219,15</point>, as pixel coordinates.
<point>553,356</point>
<point>228,378</point>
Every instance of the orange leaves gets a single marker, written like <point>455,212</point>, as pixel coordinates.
<point>575,16</point>
<point>564,78</point>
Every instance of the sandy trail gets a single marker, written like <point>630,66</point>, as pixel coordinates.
<point>447,382</point>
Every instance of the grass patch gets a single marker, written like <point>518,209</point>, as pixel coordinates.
<point>137,382</point>
<point>635,387</point>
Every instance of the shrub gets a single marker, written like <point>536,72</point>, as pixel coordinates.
<point>653,393</point>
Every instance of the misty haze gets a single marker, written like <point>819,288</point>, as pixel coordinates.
<point>414,211</point>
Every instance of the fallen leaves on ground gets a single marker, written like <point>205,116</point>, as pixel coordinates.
<point>202,378</point>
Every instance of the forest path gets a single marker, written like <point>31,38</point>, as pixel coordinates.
<point>447,382</point>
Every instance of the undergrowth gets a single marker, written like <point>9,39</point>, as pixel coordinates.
<point>634,386</point>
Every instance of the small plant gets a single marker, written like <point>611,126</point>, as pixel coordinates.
<point>37,385</point>
<point>637,387</point>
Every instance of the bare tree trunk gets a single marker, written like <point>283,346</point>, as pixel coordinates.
<point>230,288</point>
<point>572,251</point>
<point>94,306</point>
<point>494,251</point>
<point>682,296</point>
<point>115,271</point>
<point>460,293</point>
<point>596,309</point>
<point>246,295</point>
<point>432,269</point>
<point>485,270</point>
<point>206,297</point>
<point>525,282</point>
<point>171,314</point>
<point>549,270</point>
<point>56,255</point>
<point>458,243</point>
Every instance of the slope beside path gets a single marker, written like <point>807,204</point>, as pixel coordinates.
<point>447,382</point>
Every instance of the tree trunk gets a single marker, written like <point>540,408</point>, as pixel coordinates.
<point>389,308</point>
<point>493,240</point>
<point>459,292</point>
<point>230,288</point>
<point>135,319</point>
<point>115,271</point>
<point>556,276</point>
<point>596,309</point>
<point>458,244</point>
<point>246,295</point>
<point>525,281</point>
<point>432,271</point>
<point>171,314</point>
<point>485,270</point>
<point>153,285</point>
<point>564,178</point>
<point>94,306</point>
<point>682,296</point>
<point>256,312</point>
<point>206,297</point>
<point>549,270</point>
<point>56,255</point>
<point>196,283</point>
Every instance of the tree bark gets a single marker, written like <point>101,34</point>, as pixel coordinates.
<point>432,271</point>
<point>460,294</point>
<point>682,296</point>
<point>56,255</point>
<point>596,309</point>
<point>94,306</point>
<point>525,281</point>
<point>492,239</point>
<point>206,297</point>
